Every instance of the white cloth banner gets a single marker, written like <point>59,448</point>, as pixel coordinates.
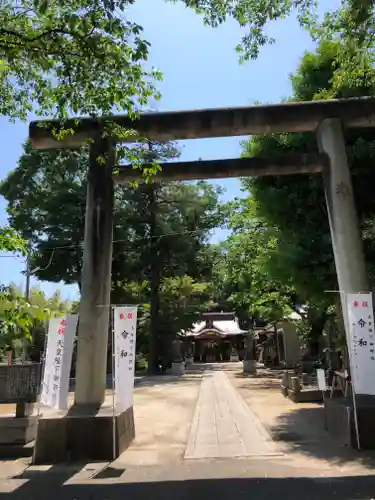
<point>321,377</point>
<point>125,325</point>
<point>361,342</point>
<point>60,341</point>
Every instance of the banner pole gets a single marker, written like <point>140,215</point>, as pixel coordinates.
<point>355,416</point>
<point>349,342</point>
<point>113,386</point>
<point>42,367</point>
<point>43,357</point>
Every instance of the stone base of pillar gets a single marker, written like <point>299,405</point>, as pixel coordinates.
<point>234,358</point>
<point>18,431</point>
<point>189,360</point>
<point>81,435</point>
<point>178,369</point>
<point>249,366</point>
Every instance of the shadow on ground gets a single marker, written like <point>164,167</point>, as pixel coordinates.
<point>146,380</point>
<point>303,430</point>
<point>266,384</point>
<point>275,375</point>
<point>49,485</point>
<point>192,374</point>
<point>149,381</point>
<point>166,380</point>
<point>261,380</point>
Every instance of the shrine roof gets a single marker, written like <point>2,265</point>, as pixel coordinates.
<point>224,328</point>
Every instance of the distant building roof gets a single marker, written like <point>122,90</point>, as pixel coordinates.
<point>293,316</point>
<point>211,327</point>
<point>219,316</point>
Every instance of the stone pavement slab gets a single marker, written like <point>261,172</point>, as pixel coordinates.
<point>163,409</point>
<point>224,426</point>
<point>11,468</point>
<point>234,479</point>
<point>298,429</point>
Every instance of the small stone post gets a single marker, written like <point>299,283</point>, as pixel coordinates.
<point>189,360</point>
<point>295,385</point>
<point>249,363</point>
<point>285,383</point>
<point>178,366</point>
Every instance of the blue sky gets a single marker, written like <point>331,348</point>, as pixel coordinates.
<point>201,70</point>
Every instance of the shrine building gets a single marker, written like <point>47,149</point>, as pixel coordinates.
<point>216,337</point>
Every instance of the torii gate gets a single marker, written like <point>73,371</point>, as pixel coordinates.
<point>326,118</point>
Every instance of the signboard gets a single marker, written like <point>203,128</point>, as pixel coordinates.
<point>125,324</point>
<point>361,342</point>
<point>19,383</point>
<point>55,387</point>
<point>321,378</point>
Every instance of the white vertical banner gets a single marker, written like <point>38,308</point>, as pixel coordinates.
<point>321,377</point>
<point>361,342</point>
<point>125,325</point>
<point>58,359</point>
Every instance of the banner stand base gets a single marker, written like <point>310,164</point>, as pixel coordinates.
<point>339,413</point>
<point>83,435</point>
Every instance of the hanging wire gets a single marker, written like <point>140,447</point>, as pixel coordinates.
<point>140,238</point>
<point>13,257</point>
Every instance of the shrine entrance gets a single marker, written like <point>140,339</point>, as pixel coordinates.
<point>325,118</point>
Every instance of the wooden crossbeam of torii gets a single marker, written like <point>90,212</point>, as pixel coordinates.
<point>282,164</point>
<point>207,123</point>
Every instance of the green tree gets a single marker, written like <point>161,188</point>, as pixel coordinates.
<point>72,57</point>
<point>85,57</point>
<point>162,229</point>
<point>25,320</point>
<point>240,272</point>
<point>181,300</point>
<point>177,219</point>
<point>294,206</point>
<point>11,241</point>
<point>352,24</point>
<point>16,318</point>
<point>53,306</point>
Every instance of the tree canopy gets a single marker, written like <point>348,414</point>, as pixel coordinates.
<point>241,275</point>
<point>22,319</point>
<point>290,211</point>
<point>85,57</point>
<point>72,57</point>
<point>11,241</point>
<point>352,24</point>
<point>161,251</point>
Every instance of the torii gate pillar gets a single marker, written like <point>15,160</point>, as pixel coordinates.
<point>342,215</point>
<point>90,430</point>
<point>94,310</point>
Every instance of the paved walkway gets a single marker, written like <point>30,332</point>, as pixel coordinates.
<point>201,436</point>
<point>164,408</point>
<point>224,426</point>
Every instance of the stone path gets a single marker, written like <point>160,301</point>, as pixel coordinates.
<point>216,422</point>
<point>224,426</point>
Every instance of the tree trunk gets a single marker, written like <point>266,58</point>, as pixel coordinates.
<point>154,280</point>
<point>317,327</point>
